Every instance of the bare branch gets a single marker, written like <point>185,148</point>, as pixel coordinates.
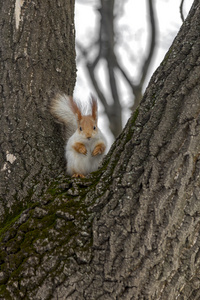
<point>106,51</point>
<point>148,60</point>
<point>91,70</point>
<point>137,89</point>
<point>108,44</point>
<point>125,75</point>
<point>181,10</point>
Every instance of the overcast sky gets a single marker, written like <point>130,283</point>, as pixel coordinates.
<point>132,26</point>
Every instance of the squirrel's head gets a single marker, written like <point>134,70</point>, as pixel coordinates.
<point>87,124</point>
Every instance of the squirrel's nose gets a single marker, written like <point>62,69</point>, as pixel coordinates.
<point>88,135</point>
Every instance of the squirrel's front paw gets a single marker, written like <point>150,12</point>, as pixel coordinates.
<point>80,148</point>
<point>77,175</point>
<point>99,149</point>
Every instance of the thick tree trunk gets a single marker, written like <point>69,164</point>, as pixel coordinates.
<point>130,231</point>
<point>37,56</point>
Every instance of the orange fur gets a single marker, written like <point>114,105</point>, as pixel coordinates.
<point>77,175</point>
<point>94,108</point>
<point>87,124</point>
<point>75,108</point>
<point>99,149</point>
<point>80,148</point>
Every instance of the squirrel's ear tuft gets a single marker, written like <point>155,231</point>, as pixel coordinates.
<point>94,108</point>
<point>75,108</point>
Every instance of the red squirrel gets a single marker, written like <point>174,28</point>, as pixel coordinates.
<point>86,145</point>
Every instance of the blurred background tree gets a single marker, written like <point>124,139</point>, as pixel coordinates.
<point>119,72</point>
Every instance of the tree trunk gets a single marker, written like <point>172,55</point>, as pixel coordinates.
<point>37,58</point>
<point>131,230</point>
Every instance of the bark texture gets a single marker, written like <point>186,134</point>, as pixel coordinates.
<point>37,56</point>
<point>131,230</point>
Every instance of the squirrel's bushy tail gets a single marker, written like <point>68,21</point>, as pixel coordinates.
<point>61,109</point>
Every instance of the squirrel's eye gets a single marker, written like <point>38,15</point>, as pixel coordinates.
<point>80,128</point>
<point>94,127</point>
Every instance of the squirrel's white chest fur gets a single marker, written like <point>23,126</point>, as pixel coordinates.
<point>83,163</point>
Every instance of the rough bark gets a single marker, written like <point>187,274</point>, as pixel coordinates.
<point>37,58</point>
<point>131,230</point>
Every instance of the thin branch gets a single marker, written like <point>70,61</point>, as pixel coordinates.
<point>109,44</point>
<point>106,50</point>
<point>133,86</point>
<point>91,67</point>
<point>137,89</point>
<point>148,60</point>
<point>181,10</point>
<point>101,97</point>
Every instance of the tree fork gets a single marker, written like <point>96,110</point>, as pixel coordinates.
<point>130,230</point>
